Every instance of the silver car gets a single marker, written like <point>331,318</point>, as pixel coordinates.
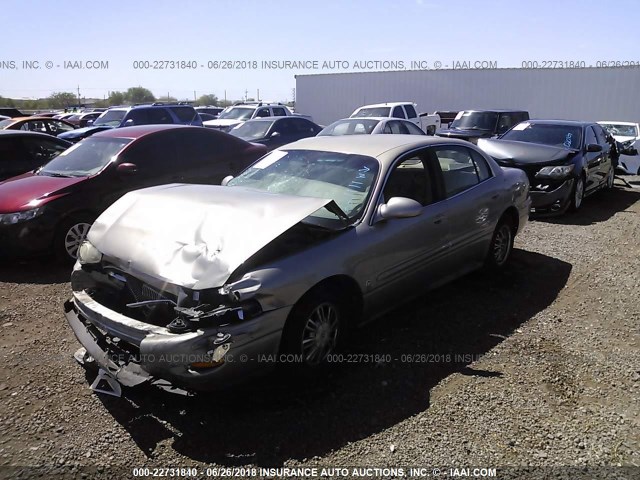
<point>201,286</point>
<point>371,126</point>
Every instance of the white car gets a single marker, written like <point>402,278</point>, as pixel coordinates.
<point>370,126</point>
<point>429,123</point>
<point>628,134</point>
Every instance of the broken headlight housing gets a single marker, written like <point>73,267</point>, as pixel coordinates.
<point>558,171</point>
<point>88,254</point>
<point>17,217</point>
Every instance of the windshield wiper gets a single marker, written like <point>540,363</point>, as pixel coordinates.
<point>54,174</point>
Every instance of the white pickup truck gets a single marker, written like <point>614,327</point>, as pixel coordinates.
<point>407,110</point>
<point>240,112</point>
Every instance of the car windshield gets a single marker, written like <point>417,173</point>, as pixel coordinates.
<point>237,114</point>
<point>349,127</point>
<point>372,112</point>
<point>251,130</point>
<point>85,158</point>
<point>111,118</point>
<point>616,129</point>
<point>345,178</point>
<point>475,121</point>
<point>5,123</point>
<point>566,136</point>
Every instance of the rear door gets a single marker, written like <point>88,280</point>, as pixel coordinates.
<point>474,197</point>
<point>606,163</point>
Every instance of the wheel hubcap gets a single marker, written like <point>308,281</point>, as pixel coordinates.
<point>320,333</point>
<point>502,244</point>
<point>579,192</point>
<point>74,238</point>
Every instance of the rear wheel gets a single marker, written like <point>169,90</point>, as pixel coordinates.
<point>69,236</point>
<point>577,194</point>
<point>501,245</point>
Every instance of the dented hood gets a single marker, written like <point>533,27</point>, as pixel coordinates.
<point>195,235</point>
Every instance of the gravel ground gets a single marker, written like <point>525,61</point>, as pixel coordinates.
<point>539,366</point>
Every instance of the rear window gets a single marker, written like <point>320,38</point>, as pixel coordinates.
<point>185,114</point>
<point>373,112</point>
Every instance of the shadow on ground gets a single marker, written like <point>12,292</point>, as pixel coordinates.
<point>276,418</point>
<point>599,207</point>
<point>40,271</point>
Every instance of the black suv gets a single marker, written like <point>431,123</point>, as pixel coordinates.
<point>474,124</point>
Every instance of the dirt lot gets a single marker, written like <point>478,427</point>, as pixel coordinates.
<point>539,366</point>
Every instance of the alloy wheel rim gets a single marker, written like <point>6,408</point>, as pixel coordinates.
<point>579,192</point>
<point>74,238</point>
<point>502,244</point>
<point>320,334</point>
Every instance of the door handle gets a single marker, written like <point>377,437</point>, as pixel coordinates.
<point>438,219</point>
<point>495,197</point>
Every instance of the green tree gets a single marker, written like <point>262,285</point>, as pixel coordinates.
<point>115,98</point>
<point>139,95</point>
<point>7,102</point>
<point>62,100</point>
<point>208,99</point>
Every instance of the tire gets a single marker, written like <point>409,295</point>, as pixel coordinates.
<point>577,194</point>
<point>69,236</point>
<point>315,328</point>
<point>610,179</point>
<point>501,245</point>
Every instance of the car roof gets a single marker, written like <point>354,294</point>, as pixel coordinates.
<point>496,110</point>
<point>575,123</point>
<point>615,122</point>
<point>20,119</point>
<point>140,130</point>
<point>22,133</point>
<point>370,145</point>
<point>379,119</point>
<point>387,104</point>
<point>276,117</point>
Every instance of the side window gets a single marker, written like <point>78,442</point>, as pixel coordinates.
<point>398,127</point>
<point>458,169</point>
<point>601,135</point>
<point>409,179</point>
<point>159,115</point>
<point>411,112</point>
<point>11,153</point>
<point>590,136</point>
<point>184,114</point>
<point>505,123</point>
<point>263,112</point>
<point>41,150</point>
<point>284,127</point>
<point>482,167</point>
<point>138,116</point>
<point>34,126</point>
<point>387,128</point>
<point>278,112</point>
<point>300,125</point>
<point>398,112</point>
<point>155,155</point>
<point>413,129</point>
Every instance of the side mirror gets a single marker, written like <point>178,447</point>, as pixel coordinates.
<point>127,169</point>
<point>275,135</point>
<point>594,147</point>
<point>400,207</point>
<point>226,180</point>
<point>631,151</point>
<point>129,123</point>
<point>89,123</point>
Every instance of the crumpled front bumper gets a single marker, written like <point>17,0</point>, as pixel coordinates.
<point>134,352</point>
<point>553,201</point>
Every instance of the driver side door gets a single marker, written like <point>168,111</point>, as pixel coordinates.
<point>407,255</point>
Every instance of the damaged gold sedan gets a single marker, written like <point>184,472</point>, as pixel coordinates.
<point>194,286</point>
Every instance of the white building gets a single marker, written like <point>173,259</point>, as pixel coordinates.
<point>588,94</point>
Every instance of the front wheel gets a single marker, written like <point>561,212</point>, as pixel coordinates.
<point>315,328</point>
<point>69,236</point>
<point>577,195</point>
<point>501,245</point>
<point>610,179</point>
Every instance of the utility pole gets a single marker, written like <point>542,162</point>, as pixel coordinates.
<point>78,95</point>
<point>258,97</point>
<point>194,96</point>
<point>246,94</point>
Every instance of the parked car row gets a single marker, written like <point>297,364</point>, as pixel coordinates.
<point>194,246</point>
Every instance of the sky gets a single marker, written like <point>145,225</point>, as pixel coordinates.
<point>209,35</point>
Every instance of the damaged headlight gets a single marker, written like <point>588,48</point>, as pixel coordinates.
<point>559,171</point>
<point>11,218</point>
<point>88,254</point>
